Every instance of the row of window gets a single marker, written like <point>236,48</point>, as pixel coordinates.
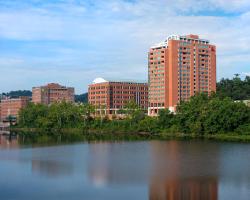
<point>156,70</point>
<point>157,63</point>
<point>156,82</point>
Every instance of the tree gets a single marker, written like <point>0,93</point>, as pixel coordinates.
<point>165,118</point>
<point>148,124</point>
<point>86,111</point>
<point>235,88</point>
<point>18,93</point>
<point>209,115</point>
<point>81,98</point>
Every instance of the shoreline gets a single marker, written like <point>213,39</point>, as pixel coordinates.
<point>102,134</point>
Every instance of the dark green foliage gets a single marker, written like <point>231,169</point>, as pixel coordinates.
<point>18,93</point>
<point>243,129</point>
<point>210,115</point>
<point>149,124</point>
<point>165,119</point>
<point>57,115</point>
<point>235,88</point>
<point>201,115</point>
<point>81,98</point>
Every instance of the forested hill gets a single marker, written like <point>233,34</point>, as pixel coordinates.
<point>81,98</point>
<point>14,94</point>
<point>18,93</point>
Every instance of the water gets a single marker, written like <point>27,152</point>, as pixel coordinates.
<point>169,170</point>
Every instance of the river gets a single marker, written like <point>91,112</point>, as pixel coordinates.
<point>155,170</point>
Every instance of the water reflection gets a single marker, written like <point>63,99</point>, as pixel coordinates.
<point>183,171</point>
<point>51,162</point>
<point>173,170</point>
<point>118,163</point>
<point>8,141</point>
<point>168,170</point>
<point>188,189</point>
<point>51,168</point>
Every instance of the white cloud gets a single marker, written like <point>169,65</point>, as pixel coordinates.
<point>111,38</point>
<point>246,73</point>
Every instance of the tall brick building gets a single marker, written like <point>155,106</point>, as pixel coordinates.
<point>113,95</point>
<point>51,93</point>
<point>177,69</point>
<point>11,107</point>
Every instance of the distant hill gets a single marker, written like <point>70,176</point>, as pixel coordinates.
<point>83,98</point>
<point>17,93</point>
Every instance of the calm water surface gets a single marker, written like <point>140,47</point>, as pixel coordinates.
<point>125,170</point>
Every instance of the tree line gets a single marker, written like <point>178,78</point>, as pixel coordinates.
<point>235,88</point>
<point>200,115</point>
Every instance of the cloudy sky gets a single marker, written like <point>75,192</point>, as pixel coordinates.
<point>74,41</point>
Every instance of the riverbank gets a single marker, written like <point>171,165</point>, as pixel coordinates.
<point>226,137</point>
<point>75,134</point>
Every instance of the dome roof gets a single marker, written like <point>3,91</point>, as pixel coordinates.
<point>99,80</point>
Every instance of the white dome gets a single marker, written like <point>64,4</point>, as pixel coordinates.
<point>99,80</point>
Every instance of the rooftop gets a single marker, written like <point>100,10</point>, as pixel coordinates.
<point>102,80</point>
<point>52,86</point>
<point>190,37</point>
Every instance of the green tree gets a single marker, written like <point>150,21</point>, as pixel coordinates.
<point>165,118</point>
<point>235,88</point>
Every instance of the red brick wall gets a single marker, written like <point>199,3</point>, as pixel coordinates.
<point>189,68</point>
<point>114,95</point>
<point>12,106</point>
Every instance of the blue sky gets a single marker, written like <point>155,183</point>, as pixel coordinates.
<point>74,41</point>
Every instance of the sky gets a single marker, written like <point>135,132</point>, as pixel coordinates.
<point>74,41</point>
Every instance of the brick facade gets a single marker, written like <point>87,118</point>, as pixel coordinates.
<point>11,107</point>
<point>51,93</point>
<point>177,69</point>
<point>112,96</point>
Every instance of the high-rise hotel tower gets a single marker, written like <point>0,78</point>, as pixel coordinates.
<point>177,69</point>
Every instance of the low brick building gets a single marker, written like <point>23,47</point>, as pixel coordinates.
<point>112,96</point>
<point>51,93</point>
<point>11,107</point>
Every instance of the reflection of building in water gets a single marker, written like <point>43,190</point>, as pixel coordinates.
<point>117,163</point>
<point>182,189</point>
<point>7,141</point>
<point>51,168</point>
<point>183,171</point>
<point>53,161</point>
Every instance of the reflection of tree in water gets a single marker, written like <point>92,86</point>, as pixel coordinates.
<point>183,171</point>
